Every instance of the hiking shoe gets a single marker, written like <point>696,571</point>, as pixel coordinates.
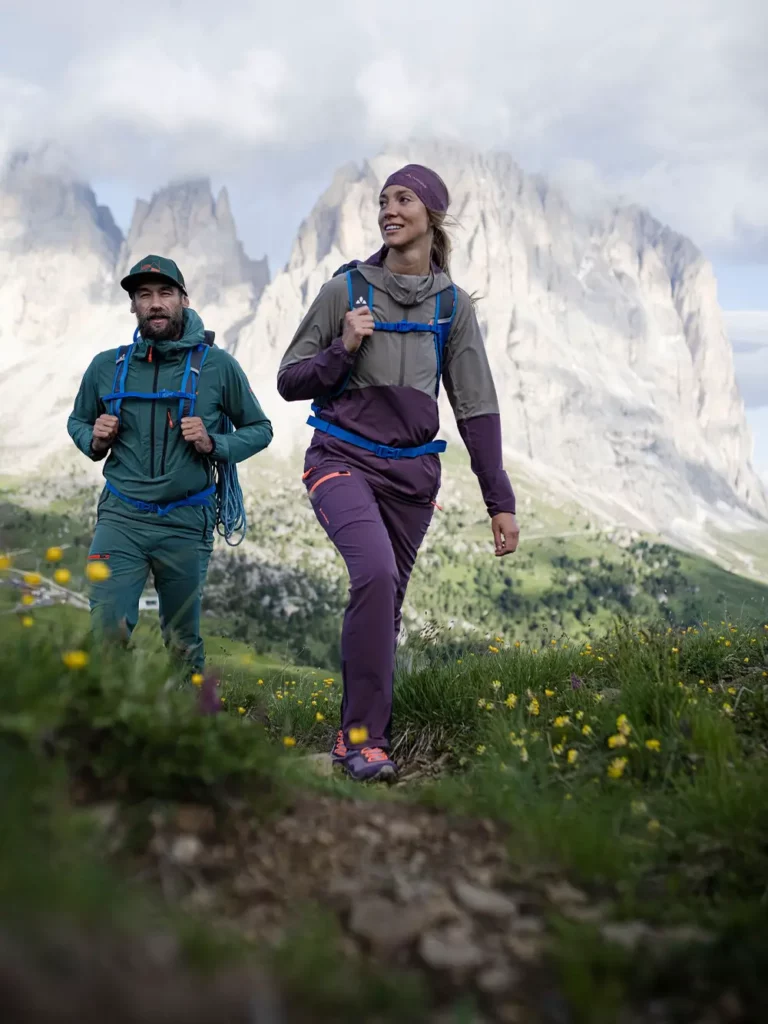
<point>339,749</point>
<point>370,763</point>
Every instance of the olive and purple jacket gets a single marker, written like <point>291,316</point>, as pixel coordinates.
<point>390,396</point>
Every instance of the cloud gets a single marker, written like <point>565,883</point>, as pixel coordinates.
<point>665,104</point>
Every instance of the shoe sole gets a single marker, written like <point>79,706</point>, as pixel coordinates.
<point>386,774</point>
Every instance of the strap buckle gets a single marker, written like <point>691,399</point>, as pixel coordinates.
<point>384,451</point>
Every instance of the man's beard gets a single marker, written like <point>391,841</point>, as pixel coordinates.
<point>171,329</point>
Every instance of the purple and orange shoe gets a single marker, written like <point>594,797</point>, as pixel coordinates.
<point>370,764</point>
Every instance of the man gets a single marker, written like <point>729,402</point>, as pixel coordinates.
<point>158,509</point>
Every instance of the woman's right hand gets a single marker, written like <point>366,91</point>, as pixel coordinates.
<point>358,325</point>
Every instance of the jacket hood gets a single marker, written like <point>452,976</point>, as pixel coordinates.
<point>405,289</point>
<point>194,334</point>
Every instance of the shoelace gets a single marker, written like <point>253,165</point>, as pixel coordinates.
<point>374,754</point>
<point>341,748</point>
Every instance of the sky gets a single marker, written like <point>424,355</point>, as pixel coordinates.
<point>659,102</point>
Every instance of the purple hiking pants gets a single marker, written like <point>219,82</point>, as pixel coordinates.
<point>378,537</point>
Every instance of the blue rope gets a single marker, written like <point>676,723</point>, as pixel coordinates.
<point>230,507</point>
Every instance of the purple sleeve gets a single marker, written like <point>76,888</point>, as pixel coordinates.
<point>318,375</point>
<point>482,436</point>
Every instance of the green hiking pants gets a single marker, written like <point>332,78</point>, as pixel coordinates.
<point>175,549</point>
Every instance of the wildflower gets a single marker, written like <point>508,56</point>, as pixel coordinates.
<point>746,661</point>
<point>241,711</point>
<point>511,701</point>
<point>75,659</point>
<point>561,721</point>
<point>259,682</point>
<point>675,650</point>
<point>535,651</point>
<point>701,682</point>
<point>533,707</point>
<point>654,825</point>
<point>586,730</point>
<point>5,562</point>
<point>599,658</point>
<point>727,709</point>
<point>319,717</point>
<point>493,650</point>
<point>727,643</point>
<point>289,741</point>
<point>616,768</point>
<point>496,684</point>
<point>599,697</point>
<point>33,579</point>
<point>622,724</point>
<point>573,756</point>
<point>558,749</point>
<point>358,734</point>
<point>619,740</point>
<point>638,807</point>
<point>549,693</point>
<point>279,695</point>
<point>62,576</point>
<point>54,554</point>
<point>459,661</point>
<point>328,681</point>
<point>524,755</point>
<point>97,571</point>
<point>481,748</point>
<point>654,745</point>
<point>197,679</point>
<point>27,621</point>
<point>27,599</point>
<point>481,702</point>
<point>732,690</point>
<point>517,642</point>
<point>576,683</point>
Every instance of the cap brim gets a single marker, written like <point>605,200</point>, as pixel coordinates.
<point>132,281</point>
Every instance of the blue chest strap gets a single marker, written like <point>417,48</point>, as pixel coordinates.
<point>360,294</point>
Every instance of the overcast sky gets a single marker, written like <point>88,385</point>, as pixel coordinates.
<point>663,102</point>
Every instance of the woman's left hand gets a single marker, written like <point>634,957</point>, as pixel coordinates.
<point>506,533</point>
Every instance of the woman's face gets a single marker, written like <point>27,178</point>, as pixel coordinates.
<point>402,217</point>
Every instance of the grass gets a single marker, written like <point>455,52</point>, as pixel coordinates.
<point>634,764</point>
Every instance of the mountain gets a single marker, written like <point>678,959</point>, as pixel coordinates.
<point>614,371</point>
<point>61,261</point>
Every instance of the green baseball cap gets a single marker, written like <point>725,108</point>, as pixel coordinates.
<point>153,267</point>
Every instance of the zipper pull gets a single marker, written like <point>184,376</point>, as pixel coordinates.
<point>170,421</point>
<point>149,357</point>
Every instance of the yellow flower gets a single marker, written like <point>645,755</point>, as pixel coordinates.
<point>654,745</point>
<point>523,755</point>
<point>727,709</point>
<point>639,807</point>
<point>493,650</point>
<point>511,700</point>
<point>732,690</point>
<point>75,659</point>
<point>517,642</point>
<point>496,684</point>
<point>558,749</point>
<point>619,740</point>
<point>481,748</point>
<point>746,661</point>
<point>579,715</point>
<point>573,756</point>
<point>654,825</point>
<point>623,726</point>
<point>549,693</point>
<point>599,697</point>
<point>27,621</point>
<point>196,679</point>
<point>289,741</point>
<point>319,717</point>
<point>5,562</point>
<point>62,576</point>
<point>97,571</point>
<point>33,579</point>
<point>27,599</point>
<point>599,658</point>
<point>727,643</point>
<point>358,734</point>
<point>279,695</point>
<point>675,650</point>
<point>586,730</point>
<point>561,721</point>
<point>616,768</point>
<point>54,554</point>
<point>241,711</point>
<point>533,707</point>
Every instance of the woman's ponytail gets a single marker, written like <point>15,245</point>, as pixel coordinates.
<point>440,254</point>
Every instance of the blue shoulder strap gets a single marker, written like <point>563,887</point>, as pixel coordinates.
<point>445,304</point>
<point>122,359</point>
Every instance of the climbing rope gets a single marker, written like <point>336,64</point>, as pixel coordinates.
<point>230,507</point>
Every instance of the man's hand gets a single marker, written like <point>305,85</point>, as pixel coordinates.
<point>506,533</point>
<point>104,432</point>
<point>192,430</point>
<point>358,325</point>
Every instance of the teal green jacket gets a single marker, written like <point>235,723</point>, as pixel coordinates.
<point>150,460</point>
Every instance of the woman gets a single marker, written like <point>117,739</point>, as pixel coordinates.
<point>371,353</point>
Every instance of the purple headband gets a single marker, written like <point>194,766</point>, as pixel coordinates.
<point>427,185</point>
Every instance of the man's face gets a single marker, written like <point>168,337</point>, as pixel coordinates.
<point>159,309</point>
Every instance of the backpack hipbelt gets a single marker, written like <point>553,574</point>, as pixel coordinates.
<point>201,498</point>
<point>360,294</point>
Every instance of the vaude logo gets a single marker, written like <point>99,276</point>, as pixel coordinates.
<point>361,302</point>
